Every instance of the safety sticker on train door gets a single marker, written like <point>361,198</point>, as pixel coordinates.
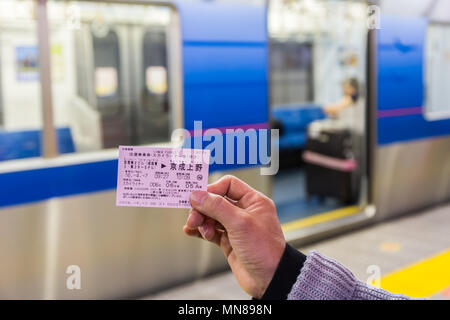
<point>160,177</point>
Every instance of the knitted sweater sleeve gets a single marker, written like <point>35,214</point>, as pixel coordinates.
<point>322,278</point>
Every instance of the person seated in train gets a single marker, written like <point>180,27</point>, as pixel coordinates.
<point>244,224</point>
<point>342,109</point>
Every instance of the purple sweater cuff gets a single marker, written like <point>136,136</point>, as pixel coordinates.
<point>322,278</point>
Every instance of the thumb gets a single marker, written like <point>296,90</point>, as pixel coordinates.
<point>215,207</point>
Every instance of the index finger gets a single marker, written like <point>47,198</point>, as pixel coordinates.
<point>230,187</point>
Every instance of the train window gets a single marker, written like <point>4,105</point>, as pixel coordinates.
<point>106,82</point>
<point>115,85</point>
<point>156,79</point>
<point>20,95</point>
<point>153,115</point>
<point>106,66</point>
<point>291,76</point>
<point>437,72</point>
<point>318,53</point>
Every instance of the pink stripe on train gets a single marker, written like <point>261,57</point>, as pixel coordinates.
<point>399,112</point>
<point>330,162</point>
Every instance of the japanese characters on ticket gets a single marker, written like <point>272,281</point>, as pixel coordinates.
<point>160,177</point>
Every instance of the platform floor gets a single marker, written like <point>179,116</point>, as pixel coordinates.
<point>412,253</point>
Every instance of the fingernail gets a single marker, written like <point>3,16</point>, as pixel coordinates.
<point>198,196</point>
<point>202,230</point>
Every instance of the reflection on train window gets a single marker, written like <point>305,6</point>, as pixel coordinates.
<point>154,114</point>
<point>437,72</point>
<point>317,80</point>
<point>291,77</point>
<point>114,88</point>
<point>106,81</point>
<point>20,95</point>
<point>156,80</point>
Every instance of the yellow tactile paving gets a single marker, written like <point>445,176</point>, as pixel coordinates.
<point>422,279</point>
<point>320,218</point>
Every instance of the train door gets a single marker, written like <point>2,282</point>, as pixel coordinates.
<point>318,74</point>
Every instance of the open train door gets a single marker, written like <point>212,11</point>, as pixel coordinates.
<point>321,96</point>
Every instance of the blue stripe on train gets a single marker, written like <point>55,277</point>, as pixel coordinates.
<point>45,183</point>
<point>410,127</point>
<point>41,184</point>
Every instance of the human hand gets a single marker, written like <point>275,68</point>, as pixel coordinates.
<point>244,224</point>
<point>331,111</point>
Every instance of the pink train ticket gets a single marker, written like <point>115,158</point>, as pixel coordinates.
<point>160,177</point>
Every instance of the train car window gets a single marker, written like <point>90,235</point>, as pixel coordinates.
<point>108,90</point>
<point>318,71</point>
<point>437,70</point>
<point>154,109</point>
<point>20,95</point>
<point>107,66</point>
<point>115,85</point>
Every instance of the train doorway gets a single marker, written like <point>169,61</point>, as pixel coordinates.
<point>318,100</point>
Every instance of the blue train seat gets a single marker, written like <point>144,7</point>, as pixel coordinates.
<point>295,120</point>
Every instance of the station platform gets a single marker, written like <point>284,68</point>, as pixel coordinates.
<point>412,254</point>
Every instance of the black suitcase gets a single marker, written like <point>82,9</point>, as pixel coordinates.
<point>327,181</point>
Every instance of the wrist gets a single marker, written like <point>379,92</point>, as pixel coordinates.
<point>285,275</point>
<point>266,275</point>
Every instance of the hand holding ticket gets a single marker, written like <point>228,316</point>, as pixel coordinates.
<point>160,177</point>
